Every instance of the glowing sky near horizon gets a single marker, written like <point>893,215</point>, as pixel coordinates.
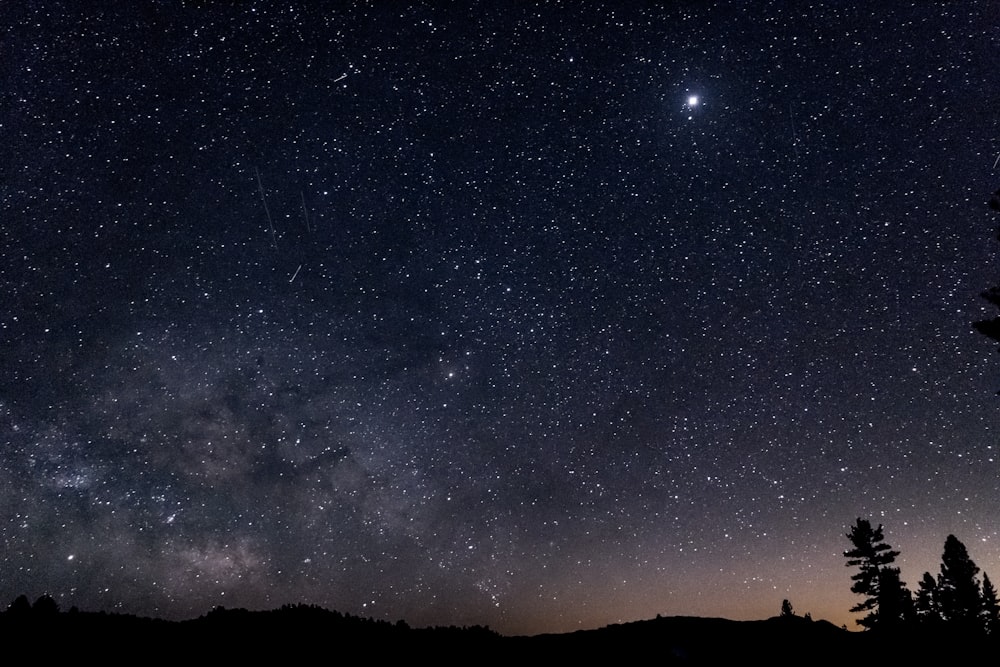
<point>535,316</point>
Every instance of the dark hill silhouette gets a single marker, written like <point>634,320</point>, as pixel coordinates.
<point>694,640</point>
<point>302,631</point>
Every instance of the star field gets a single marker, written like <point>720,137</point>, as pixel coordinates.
<point>542,316</point>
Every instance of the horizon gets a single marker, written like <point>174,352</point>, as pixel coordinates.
<point>528,316</point>
<point>840,615</point>
<point>282,607</point>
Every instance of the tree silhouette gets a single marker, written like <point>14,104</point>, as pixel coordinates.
<point>20,606</point>
<point>876,579</point>
<point>991,608</point>
<point>45,606</point>
<point>959,598</point>
<point>926,605</point>
<point>991,327</point>
<point>786,609</point>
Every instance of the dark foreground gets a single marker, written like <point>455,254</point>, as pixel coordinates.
<point>299,632</point>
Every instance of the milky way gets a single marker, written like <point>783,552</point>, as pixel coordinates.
<point>537,316</point>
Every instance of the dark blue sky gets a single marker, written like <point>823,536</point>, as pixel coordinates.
<point>473,317</point>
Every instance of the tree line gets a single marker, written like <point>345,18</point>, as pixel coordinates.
<point>956,600</point>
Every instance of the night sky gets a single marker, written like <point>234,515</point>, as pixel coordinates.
<point>536,315</point>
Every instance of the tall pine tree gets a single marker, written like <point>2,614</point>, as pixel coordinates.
<point>886,600</point>
<point>991,327</point>
<point>959,598</point>
<point>991,608</point>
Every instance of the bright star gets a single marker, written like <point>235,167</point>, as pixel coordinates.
<point>693,101</point>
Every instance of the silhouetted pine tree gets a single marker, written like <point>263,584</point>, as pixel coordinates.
<point>876,579</point>
<point>786,609</point>
<point>45,605</point>
<point>925,605</point>
<point>991,327</point>
<point>20,606</point>
<point>959,599</point>
<point>991,608</point>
